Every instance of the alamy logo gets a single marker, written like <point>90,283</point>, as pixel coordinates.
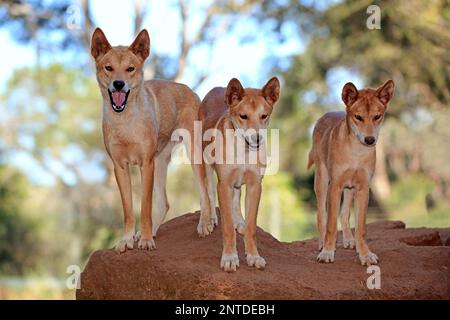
<point>234,147</point>
<point>374,20</point>
<point>374,281</point>
<point>73,21</point>
<point>73,280</point>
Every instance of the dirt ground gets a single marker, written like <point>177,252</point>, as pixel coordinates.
<point>414,264</point>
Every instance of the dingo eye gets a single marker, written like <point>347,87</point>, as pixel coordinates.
<point>109,68</point>
<point>264,116</point>
<point>377,117</point>
<point>130,69</point>
<point>358,117</point>
<point>243,116</point>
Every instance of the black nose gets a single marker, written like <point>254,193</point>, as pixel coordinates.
<point>118,84</point>
<point>369,140</point>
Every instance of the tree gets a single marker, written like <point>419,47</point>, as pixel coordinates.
<point>412,51</point>
<point>38,22</point>
<point>20,243</point>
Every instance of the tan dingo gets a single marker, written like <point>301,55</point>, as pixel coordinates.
<point>244,113</point>
<point>344,155</point>
<point>138,121</point>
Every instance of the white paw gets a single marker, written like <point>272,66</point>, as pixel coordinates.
<point>154,230</point>
<point>137,236</point>
<point>256,261</point>
<point>229,262</point>
<point>214,219</point>
<point>127,242</point>
<point>348,243</point>
<point>240,227</point>
<point>146,244</point>
<point>326,256</point>
<point>238,222</point>
<point>204,229</point>
<point>369,259</point>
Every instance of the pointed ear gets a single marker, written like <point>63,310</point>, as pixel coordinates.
<point>271,91</point>
<point>385,92</point>
<point>235,92</point>
<point>349,94</point>
<point>141,45</point>
<point>99,44</point>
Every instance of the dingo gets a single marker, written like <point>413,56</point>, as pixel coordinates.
<point>138,121</point>
<point>246,113</point>
<point>343,152</point>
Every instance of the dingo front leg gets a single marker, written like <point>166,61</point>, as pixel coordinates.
<point>347,236</point>
<point>229,261</point>
<point>334,199</point>
<point>361,202</point>
<point>146,241</point>
<point>124,182</point>
<point>252,198</point>
<point>238,221</point>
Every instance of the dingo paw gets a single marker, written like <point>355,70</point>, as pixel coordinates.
<point>326,256</point>
<point>348,243</point>
<point>256,261</point>
<point>368,259</point>
<point>127,242</point>
<point>240,227</point>
<point>229,262</point>
<point>146,244</point>
<point>204,229</point>
<point>214,219</point>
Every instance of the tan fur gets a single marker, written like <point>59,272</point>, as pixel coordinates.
<point>221,109</point>
<point>140,134</point>
<point>345,165</point>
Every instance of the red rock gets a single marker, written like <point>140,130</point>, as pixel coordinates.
<point>185,266</point>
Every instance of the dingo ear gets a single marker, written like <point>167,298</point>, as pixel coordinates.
<point>141,45</point>
<point>385,92</point>
<point>234,93</point>
<point>271,91</point>
<point>99,44</point>
<point>349,94</point>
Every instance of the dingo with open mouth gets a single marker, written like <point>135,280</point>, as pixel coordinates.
<point>139,118</point>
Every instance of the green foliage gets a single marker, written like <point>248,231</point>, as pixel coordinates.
<point>281,212</point>
<point>407,202</point>
<point>20,243</point>
<point>410,191</point>
<point>56,106</point>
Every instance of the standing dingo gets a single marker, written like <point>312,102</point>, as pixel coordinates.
<point>239,117</point>
<point>343,152</point>
<point>138,121</point>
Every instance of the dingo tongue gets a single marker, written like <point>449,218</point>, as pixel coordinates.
<point>118,98</point>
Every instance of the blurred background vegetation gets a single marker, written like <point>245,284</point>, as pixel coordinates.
<point>58,198</point>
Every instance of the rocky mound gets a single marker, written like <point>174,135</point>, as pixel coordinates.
<point>414,264</point>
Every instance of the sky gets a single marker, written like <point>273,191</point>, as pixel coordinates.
<point>227,58</point>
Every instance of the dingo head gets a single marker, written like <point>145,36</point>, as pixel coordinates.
<point>366,109</point>
<point>250,109</point>
<point>119,69</point>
